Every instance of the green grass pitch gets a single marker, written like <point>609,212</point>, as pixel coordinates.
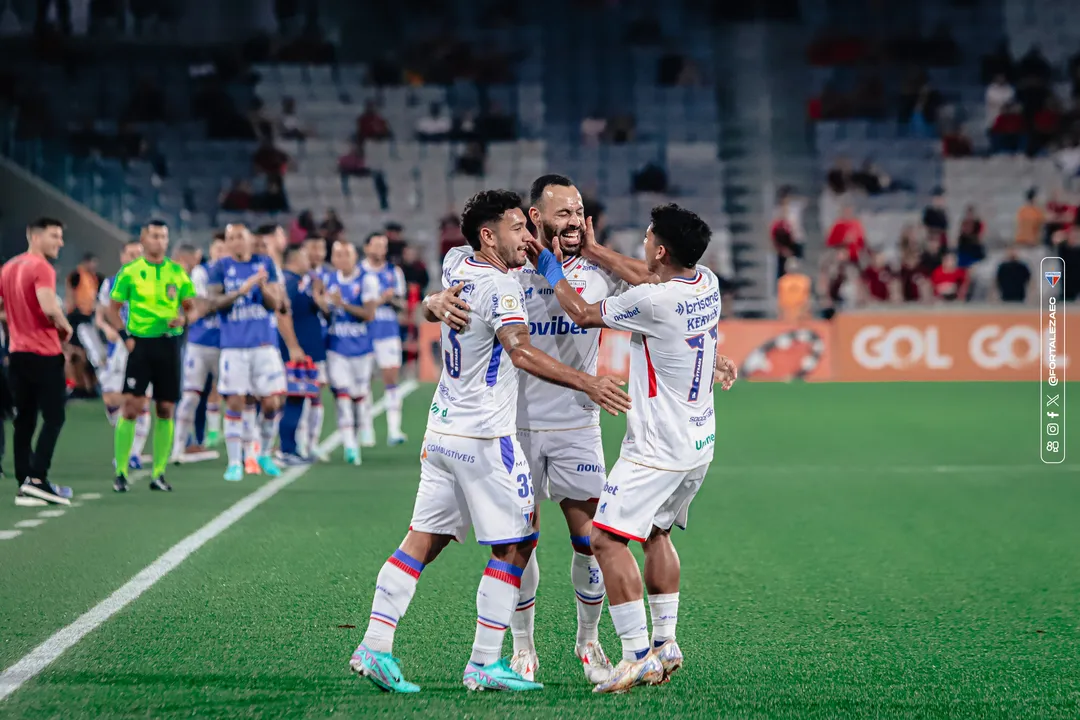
<point>857,551</point>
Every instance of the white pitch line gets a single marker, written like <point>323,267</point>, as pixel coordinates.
<point>50,513</point>
<point>883,470</point>
<point>9,534</point>
<point>62,640</point>
<point>89,496</point>
<point>29,523</point>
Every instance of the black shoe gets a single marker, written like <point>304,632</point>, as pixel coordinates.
<point>160,484</point>
<point>43,490</point>
<point>120,484</point>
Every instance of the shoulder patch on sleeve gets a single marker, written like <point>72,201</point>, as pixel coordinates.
<point>509,303</point>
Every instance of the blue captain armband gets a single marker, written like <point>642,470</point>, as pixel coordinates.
<point>548,266</point>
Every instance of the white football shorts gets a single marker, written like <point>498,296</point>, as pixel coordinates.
<point>387,352</point>
<point>111,377</point>
<point>635,498</point>
<point>259,372</point>
<point>200,363</point>
<point>565,464</point>
<point>350,376</point>
<point>468,481</point>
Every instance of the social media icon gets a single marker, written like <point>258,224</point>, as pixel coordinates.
<point>1052,415</point>
<point>1051,428</point>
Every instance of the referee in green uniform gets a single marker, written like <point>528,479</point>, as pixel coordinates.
<point>159,295</point>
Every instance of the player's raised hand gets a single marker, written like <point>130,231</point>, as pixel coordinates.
<point>557,249</point>
<point>251,282</point>
<point>606,391</point>
<point>725,373</point>
<point>449,307</point>
<point>334,296</point>
<point>588,237</point>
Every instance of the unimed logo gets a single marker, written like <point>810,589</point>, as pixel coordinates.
<point>902,346</point>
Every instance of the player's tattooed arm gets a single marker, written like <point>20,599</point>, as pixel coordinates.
<point>221,300</point>
<point>630,270</point>
<point>605,390</point>
<point>448,307</point>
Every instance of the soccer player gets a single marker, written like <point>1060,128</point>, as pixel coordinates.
<point>669,436</point>
<point>201,355</point>
<point>249,291</point>
<point>213,402</point>
<point>159,295</point>
<point>111,377</point>
<point>307,304</point>
<point>311,423</point>
<point>350,357</point>
<point>472,469</point>
<point>386,283</point>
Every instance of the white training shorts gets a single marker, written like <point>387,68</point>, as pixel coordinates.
<point>111,377</point>
<point>565,464</point>
<point>349,376</point>
<point>636,498</point>
<point>200,364</point>
<point>387,352</point>
<point>259,372</point>
<point>485,483</point>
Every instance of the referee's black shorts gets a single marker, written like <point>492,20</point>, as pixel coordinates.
<point>154,361</point>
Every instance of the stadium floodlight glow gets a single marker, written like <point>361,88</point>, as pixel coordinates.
<point>1053,361</point>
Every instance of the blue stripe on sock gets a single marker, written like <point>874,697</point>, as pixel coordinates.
<point>406,559</point>
<point>580,540</point>
<point>382,615</point>
<point>493,622</point>
<point>583,596</point>
<point>526,602</point>
<point>638,654</point>
<point>505,567</point>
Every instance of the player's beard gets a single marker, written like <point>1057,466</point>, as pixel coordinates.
<point>568,246</point>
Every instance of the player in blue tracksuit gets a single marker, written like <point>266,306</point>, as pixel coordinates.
<point>308,302</point>
<point>349,357</point>
<point>251,363</point>
<point>384,285</point>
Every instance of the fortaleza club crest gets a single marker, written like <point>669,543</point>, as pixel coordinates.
<point>171,291</point>
<point>1053,278</point>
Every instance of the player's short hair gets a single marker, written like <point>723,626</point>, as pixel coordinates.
<point>486,206</point>
<point>267,229</point>
<point>372,235</point>
<point>681,232</point>
<point>289,251</point>
<point>392,227</point>
<point>543,182</point>
<point>187,249</point>
<point>157,224</point>
<point>219,235</point>
<point>43,223</point>
<point>314,237</point>
<point>88,256</point>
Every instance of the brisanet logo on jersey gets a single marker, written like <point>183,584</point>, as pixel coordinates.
<point>1052,367</point>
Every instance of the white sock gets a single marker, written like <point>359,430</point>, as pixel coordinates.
<point>366,421</point>
<point>251,430</point>
<point>589,590</point>
<point>111,414</point>
<point>234,437</point>
<point>496,599</point>
<point>664,610</point>
<point>394,590</point>
<point>213,418</point>
<point>142,432</point>
<point>268,428</point>
<point>302,448</point>
<point>185,420</point>
<point>630,625</point>
<point>393,411</point>
<point>522,622</point>
<point>315,423</point>
<point>346,422</point>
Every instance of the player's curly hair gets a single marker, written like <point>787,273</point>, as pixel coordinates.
<point>485,207</point>
<point>682,232</point>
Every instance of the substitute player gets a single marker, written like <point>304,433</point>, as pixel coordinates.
<point>111,377</point>
<point>472,469</point>
<point>669,435</point>
<point>249,290</point>
<point>311,422</point>
<point>158,294</point>
<point>385,283</point>
<point>350,356</point>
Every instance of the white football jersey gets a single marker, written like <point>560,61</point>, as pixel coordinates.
<point>542,405</point>
<point>478,391</point>
<point>671,425</point>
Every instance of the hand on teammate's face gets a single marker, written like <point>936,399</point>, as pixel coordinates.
<point>606,391</point>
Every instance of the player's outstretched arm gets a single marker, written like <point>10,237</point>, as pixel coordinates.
<point>448,307</point>
<point>221,300</point>
<point>604,391</point>
<point>583,314</point>
<point>628,269</point>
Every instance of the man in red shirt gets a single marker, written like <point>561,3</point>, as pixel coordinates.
<point>950,281</point>
<point>37,326</point>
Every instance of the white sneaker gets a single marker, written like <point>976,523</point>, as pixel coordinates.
<point>367,437</point>
<point>525,663</point>
<point>595,663</point>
